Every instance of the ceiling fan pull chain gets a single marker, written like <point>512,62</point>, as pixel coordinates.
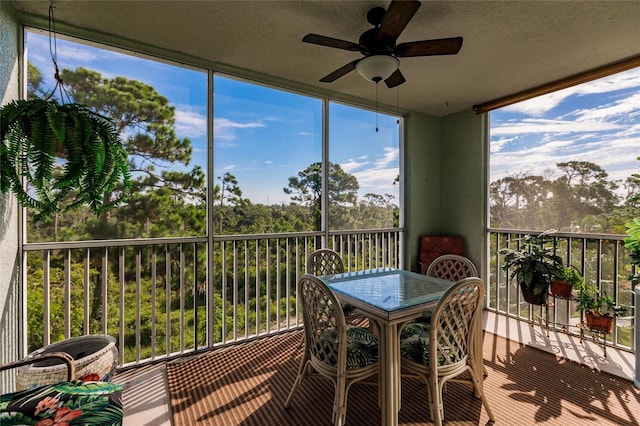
<point>377,105</point>
<point>397,104</point>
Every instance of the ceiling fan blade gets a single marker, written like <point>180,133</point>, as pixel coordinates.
<point>395,79</point>
<point>332,42</point>
<point>340,72</point>
<point>396,19</point>
<point>443,46</point>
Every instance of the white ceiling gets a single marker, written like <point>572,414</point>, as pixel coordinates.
<point>509,46</point>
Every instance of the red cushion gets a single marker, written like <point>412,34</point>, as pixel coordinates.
<point>433,246</point>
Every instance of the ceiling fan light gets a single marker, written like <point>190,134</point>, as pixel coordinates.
<point>378,67</point>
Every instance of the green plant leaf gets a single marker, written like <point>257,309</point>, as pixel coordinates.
<point>67,154</point>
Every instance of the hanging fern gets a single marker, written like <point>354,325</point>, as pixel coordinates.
<point>68,156</point>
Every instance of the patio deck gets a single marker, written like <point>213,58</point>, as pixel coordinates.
<point>146,397</point>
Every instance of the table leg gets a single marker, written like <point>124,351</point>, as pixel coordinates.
<point>389,374</point>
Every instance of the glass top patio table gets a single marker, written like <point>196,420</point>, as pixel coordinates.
<point>390,297</point>
<point>387,293</point>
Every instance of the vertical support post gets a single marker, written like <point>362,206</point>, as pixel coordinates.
<point>637,330</point>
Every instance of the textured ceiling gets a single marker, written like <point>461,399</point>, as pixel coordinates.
<point>509,46</point>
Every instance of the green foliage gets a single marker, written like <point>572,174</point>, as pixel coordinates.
<point>36,132</point>
<point>581,199</point>
<point>306,190</point>
<point>571,275</point>
<point>633,243</point>
<point>533,263</point>
<point>598,303</point>
<point>633,240</point>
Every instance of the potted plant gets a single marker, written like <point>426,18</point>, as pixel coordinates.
<point>633,242</point>
<point>533,264</point>
<point>67,155</point>
<point>567,280</point>
<point>55,157</point>
<point>598,308</point>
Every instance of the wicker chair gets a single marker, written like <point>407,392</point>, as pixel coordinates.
<point>325,262</point>
<point>445,349</point>
<point>452,267</point>
<point>344,354</point>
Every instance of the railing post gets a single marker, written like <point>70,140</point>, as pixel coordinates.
<point>637,329</point>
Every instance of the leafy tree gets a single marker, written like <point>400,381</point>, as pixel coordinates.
<point>632,186</point>
<point>377,211</point>
<point>227,193</point>
<point>580,199</point>
<point>34,82</point>
<point>144,118</point>
<point>306,189</point>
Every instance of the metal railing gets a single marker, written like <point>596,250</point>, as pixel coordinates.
<point>166,297</point>
<point>602,260</point>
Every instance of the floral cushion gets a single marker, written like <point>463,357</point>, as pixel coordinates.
<point>362,346</point>
<point>65,403</point>
<point>414,342</point>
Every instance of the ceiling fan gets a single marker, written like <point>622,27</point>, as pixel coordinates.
<point>378,45</point>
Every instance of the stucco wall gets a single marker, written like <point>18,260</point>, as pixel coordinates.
<point>422,182</point>
<point>445,166</point>
<point>9,264</point>
<point>463,190</point>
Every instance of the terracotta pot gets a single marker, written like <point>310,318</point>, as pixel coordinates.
<point>561,288</point>
<point>601,323</point>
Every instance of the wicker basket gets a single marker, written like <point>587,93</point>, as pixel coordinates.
<point>95,357</point>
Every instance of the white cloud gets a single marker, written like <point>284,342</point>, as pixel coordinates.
<point>351,165</point>
<point>538,106</point>
<point>225,129</point>
<point>617,156</point>
<point>496,145</point>
<point>626,106</point>
<point>390,157</point>
<point>538,125</point>
<point>378,176</point>
<point>376,180</point>
<point>190,123</point>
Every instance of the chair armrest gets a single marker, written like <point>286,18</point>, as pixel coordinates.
<point>68,359</point>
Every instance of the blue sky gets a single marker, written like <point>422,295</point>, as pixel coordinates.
<point>597,122</point>
<point>262,135</point>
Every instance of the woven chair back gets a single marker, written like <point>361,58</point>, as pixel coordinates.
<point>324,322</point>
<point>452,267</point>
<point>452,324</point>
<point>325,262</point>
